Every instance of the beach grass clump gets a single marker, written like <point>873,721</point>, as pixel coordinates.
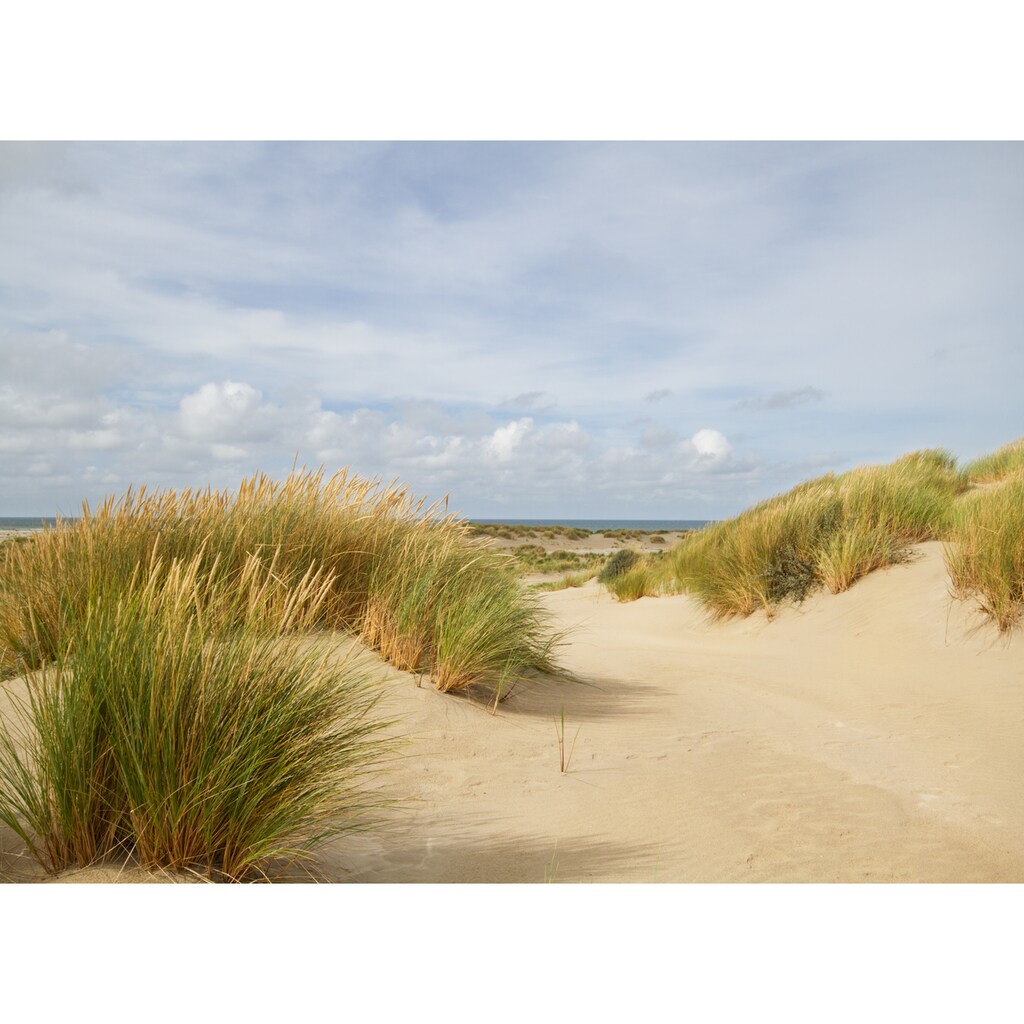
<point>618,563</point>
<point>825,532</point>
<point>637,581</point>
<point>984,552</point>
<point>849,554</point>
<point>629,575</point>
<point>1001,464</point>
<point>156,733</point>
<point>489,627</point>
<point>394,566</point>
<point>568,581</point>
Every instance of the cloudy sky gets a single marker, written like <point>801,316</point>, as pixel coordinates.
<point>580,330</point>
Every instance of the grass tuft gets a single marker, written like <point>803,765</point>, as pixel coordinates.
<point>1001,464</point>
<point>985,551</point>
<point>569,581</point>
<point>618,563</point>
<point>158,733</point>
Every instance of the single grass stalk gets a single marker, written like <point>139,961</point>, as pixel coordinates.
<point>552,868</point>
<point>563,761</point>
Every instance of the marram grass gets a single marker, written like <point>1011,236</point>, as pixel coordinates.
<point>985,551</point>
<point>404,577</point>
<point>1001,464</point>
<point>825,532</point>
<point>157,732</point>
<point>182,707</point>
<point>831,531</point>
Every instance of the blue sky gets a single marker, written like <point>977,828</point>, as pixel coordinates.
<point>643,330</point>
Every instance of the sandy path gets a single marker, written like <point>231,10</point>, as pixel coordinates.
<point>868,736</point>
<point>873,736</point>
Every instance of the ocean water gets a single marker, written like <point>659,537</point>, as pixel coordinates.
<point>27,522</point>
<point>600,525</point>
<point>594,525</point>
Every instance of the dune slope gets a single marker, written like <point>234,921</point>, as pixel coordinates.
<point>877,735</point>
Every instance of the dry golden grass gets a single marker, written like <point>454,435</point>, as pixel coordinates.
<point>825,532</point>
<point>404,577</point>
<point>1001,464</point>
<point>985,551</point>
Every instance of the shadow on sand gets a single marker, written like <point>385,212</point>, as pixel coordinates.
<point>456,858</point>
<point>589,699</point>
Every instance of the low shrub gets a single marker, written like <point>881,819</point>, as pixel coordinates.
<point>636,582</point>
<point>617,564</point>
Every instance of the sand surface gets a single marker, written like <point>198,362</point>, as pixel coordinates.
<point>877,735</point>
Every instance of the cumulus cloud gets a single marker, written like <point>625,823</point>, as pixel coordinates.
<point>229,411</point>
<point>505,440</point>
<point>711,444</point>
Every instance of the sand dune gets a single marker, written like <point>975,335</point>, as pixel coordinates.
<point>874,735</point>
<point>877,735</point>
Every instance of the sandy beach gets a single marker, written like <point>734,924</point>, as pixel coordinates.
<point>876,735</point>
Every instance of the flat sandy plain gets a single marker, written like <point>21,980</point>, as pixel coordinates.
<point>873,736</point>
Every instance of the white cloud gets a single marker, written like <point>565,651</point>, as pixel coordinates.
<point>505,440</point>
<point>223,412</point>
<point>711,443</point>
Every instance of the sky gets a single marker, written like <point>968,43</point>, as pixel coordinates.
<point>579,330</point>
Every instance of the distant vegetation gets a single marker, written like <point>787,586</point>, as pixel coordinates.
<point>567,581</point>
<point>534,558</point>
<point>518,531</point>
<point>618,564</point>
<point>829,532</point>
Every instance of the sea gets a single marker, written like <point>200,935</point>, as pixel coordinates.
<point>601,525</point>
<point>594,525</point>
<point>28,522</point>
